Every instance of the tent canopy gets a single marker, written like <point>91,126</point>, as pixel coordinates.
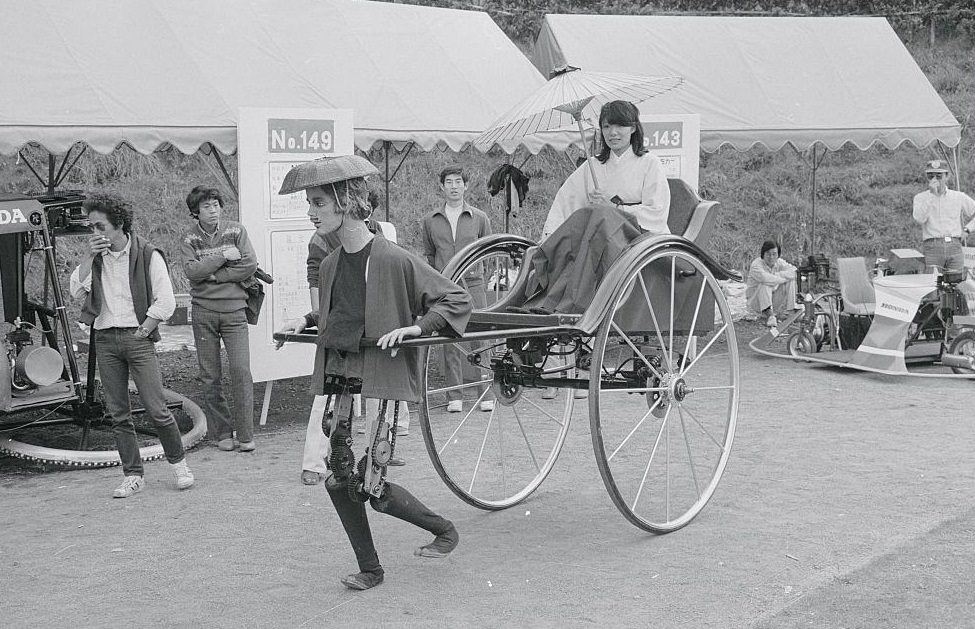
<point>769,81</point>
<point>176,71</point>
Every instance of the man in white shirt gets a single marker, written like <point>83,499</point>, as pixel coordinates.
<point>127,291</point>
<point>946,217</point>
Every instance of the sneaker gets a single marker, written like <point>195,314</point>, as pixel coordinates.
<point>247,446</point>
<point>455,406</point>
<point>184,477</point>
<point>550,393</point>
<point>131,485</point>
<point>441,546</point>
<point>309,477</point>
<point>772,322</point>
<point>402,431</point>
<point>487,406</point>
<point>395,461</point>
<point>228,444</point>
<point>363,580</point>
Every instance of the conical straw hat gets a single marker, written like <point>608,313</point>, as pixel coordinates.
<point>326,170</point>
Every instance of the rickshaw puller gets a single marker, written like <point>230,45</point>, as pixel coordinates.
<point>371,287</point>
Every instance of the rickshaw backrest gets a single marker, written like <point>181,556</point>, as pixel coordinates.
<point>690,216</point>
<point>855,286</point>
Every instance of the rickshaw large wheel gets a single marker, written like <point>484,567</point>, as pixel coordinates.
<point>491,459</point>
<point>664,407</point>
<point>59,443</point>
<point>963,345</point>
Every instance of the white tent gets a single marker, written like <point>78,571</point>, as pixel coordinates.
<point>154,72</point>
<point>770,81</point>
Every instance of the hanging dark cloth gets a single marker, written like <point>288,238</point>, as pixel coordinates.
<point>506,172</point>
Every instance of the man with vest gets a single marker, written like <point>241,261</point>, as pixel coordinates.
<point>946,217</point>
<point>127,291</point>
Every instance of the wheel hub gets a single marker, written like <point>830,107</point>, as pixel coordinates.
<point>507,393</point>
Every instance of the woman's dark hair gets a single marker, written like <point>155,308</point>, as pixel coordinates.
<point>768,245</point>
<point>114,208</point>
<point>624,114</point>
<point>200,194</point>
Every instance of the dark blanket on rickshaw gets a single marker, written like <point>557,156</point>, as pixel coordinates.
<point>563,273</point>
<point>568,266</point>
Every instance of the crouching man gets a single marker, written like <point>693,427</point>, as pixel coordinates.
<point>370,287</point>
<point>127,291</point>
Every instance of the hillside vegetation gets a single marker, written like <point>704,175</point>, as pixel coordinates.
<point>863,202</point>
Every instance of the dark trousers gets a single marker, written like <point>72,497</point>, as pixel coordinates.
<point>208,328</point>
<point>396,502</point>
<point>122,355</point>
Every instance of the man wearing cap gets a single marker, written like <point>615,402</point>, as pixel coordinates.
<point>946,218</point>
<point>370,287</point>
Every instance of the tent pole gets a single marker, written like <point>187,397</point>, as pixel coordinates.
<point>386,154</point>
<point>60,179</point>
<point>50,174</point>
<point>230,182</point>
<point>815,166</point>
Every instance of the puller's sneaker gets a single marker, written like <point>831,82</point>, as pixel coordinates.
<point>184,477</point>
<point>131,485</point>
<point>455,406</point>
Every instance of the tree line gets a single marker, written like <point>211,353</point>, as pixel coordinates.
<point>521,19</point>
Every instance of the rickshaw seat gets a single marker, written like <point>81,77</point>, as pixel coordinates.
<point>856,289</point>
<point>690,216</point>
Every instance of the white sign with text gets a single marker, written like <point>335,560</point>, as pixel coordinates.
<point>676,140</point>
<point>270,142</point>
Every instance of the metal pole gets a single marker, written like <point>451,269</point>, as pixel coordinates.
<point>386,144</point>
<point>51,162</point>
<point>815,166</point>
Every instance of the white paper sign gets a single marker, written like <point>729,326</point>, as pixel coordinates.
<point>270,142</point>
<point>676,140</point>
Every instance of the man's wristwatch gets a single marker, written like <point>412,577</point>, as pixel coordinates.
<point>141,331</point>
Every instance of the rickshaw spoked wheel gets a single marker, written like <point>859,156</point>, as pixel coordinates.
<point>504,442</point>
<point>661,464</point>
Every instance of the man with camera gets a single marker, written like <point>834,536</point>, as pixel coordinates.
<point>217,257</point>
<point>127,291</point>
<point>946,218</point>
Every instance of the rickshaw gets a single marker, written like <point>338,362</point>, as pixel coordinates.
<point>42,388</point>
<point>653,358</point>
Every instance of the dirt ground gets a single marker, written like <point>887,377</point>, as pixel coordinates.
<point>848,502</point>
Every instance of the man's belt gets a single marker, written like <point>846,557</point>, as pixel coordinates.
<point>942,239</point>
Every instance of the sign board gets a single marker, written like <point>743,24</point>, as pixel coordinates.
<point>676,140</point>
<point>270,142</point>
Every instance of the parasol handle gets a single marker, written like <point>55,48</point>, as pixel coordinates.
<point>585,149</point>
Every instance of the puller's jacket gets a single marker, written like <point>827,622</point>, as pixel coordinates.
<point>400,287</point>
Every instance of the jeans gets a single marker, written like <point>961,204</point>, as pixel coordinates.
<point>457,369</point>
<point>208,328</point>
<point>122,355</point>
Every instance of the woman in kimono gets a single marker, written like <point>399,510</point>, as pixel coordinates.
<point>628,177</point>
<point>370,287</point>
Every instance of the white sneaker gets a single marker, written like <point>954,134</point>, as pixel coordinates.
<point>550,393</point>
<point>487,406</point>
<point>455,406</point>
<point>131,485</point>
<point>184,477</point>
<point>402,431</point>
<point>772,322</point>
